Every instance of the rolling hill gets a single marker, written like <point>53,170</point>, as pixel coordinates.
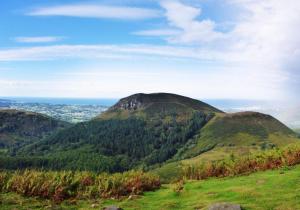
<point>139,131</point>
<point>18,128</point>
<point>150,130</point>
<point>157,103</point>
<point>243,129</point>
<point>234,134</point>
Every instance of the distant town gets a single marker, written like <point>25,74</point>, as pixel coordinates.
<point>67,112</point>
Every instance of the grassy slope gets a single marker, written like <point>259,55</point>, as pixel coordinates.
<point>227,134</point>
<point>241,129</point>
<point>171,171</point>
<point>278,190</point>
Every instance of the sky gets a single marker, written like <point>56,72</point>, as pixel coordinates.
<point>237,49</point>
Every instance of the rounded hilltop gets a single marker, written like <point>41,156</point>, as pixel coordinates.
<point>142,101</point>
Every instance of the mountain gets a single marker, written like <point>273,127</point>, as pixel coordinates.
<point>147,130</point>
<point>151,105</point>
<point>18,128</point>
<point>139,131</point>
<point>141,101</point>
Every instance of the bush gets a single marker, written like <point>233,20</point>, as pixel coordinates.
<point>59,186</point>
<point>260,161</point>
<point>178,186</point>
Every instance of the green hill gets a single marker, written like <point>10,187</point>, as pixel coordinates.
<point>159,102</point>
<point>243,129</point>
<point>229,134</point>
<point>149,130</point>
<point>18,128</point>
<point>139,131</point>
<point>157,105</point>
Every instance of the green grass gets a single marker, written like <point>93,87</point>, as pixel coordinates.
<point>277,189</point>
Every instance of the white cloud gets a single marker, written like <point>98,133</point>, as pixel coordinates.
<point>106,51</point>
<point>269,28</point>
<point>184,17</point>
<point>264,41</point>
<point>158,32</point>
<point>96,11</point>
<point>99,82</point>
<point>247,80</point>
<point>183,26</point>
<point>262,49</point>
<point>268,34</point>
<point>41,39</point>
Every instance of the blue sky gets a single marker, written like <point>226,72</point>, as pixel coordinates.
<point>241,49</point>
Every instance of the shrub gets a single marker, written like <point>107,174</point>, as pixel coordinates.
<point>59,186</point>
<point>178,186</point>
<point>259,161</point>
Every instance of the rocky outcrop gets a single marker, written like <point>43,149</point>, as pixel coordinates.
<point>224,206</point>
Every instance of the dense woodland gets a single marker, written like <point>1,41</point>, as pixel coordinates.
<point>108,145</point>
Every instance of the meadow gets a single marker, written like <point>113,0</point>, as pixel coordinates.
<point>273,190</point>
<point>268,179</point>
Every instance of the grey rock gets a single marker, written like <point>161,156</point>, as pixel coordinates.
<point>112,208</point>
<point>224,206</point>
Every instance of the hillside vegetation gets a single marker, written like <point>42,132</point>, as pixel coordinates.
<point>59,186</point>
<point>176,138</point>
<point>272,189</point>
<point>152,104</point>
<point>139,131</point>
<point>122,144</point>
<point>278,190</point>
<point>252,192</point>
<point>18,128</point>
<point>244,129</point>
<point>151,131</point>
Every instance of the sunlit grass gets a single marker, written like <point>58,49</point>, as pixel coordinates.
<point>275,189</point>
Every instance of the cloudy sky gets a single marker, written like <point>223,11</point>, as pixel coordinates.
<point>238,49</point>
